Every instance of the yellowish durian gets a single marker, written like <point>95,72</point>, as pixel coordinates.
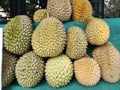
<point>60,9</point>
<point>76,43</point>
<point>39,15</point>
<point>81,10</point>
<point>97,31</point>
<point>108,58</point>
<point>49,38</point>
<point>87,71</point>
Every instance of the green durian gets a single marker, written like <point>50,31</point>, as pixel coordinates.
<point>8,68</point>
<point>60,9</point>
<point>109,60</point>
<point>76,43</point>
<point>49,38</point>
<point>59,71</point>
<point>29,69</point>
<point>17,34</point>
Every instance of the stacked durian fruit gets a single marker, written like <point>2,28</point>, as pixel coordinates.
<point>50,51</point>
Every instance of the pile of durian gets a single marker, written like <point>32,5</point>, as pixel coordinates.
<point>51,52</point>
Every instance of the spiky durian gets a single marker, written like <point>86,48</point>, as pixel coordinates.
<point>29,69</point>
<point>97,31</point>
<point>59,71</point>
<point>60,9</point>
<point>76,43</point>
<point>49,38</point>
<point>87,71</point>
<point>8,68</point>
<point>17,34</point>
<point>109,60</point>
<point>39,15</point>
<point>81,10</point>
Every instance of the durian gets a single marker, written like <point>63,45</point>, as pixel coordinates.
<point>97,31</point>
<point>49,38</point>
<point>59,71</point>
<point>81,10</point>
<point>8,68</point>
<point>17,34</point>
<point>29,69</point>
<point>60,9</point>
<point>87,71</point>
<point>39,15</point>
<point>109,60</point>
<point>76,43</point>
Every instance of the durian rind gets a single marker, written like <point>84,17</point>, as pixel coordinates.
<point>49,38</point>
<point>87,71</point>
<point>60,9</point>
<point>39,15</point>
<point>97,31</point>
<point>17,34</point>
<point>59,71</point>
<point>8,68</point>
<point>76,42</point>
<point>109,60</point>
<point>81,10</point>
<point>29,69</point>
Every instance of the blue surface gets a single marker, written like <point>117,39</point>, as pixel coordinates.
<point>2,25</point>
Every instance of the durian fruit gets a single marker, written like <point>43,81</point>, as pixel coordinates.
<point>60,9</point>
<point>59,71</point>
<point>17,34</point>
<point>8,68</point>
<point>49,38</point>
<point>87,71</point>
<point>76,43</point>
<point>109,60</point>
<point>81,10</point>
<point>39,15</point>
<point>97,31</point>
<point>29,69</point>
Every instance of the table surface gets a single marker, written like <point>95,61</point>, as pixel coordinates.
<point>114,24</point>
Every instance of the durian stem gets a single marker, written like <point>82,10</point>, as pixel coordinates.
<point>48,15</point>
<point>87,19</point>
<point>86,56</point>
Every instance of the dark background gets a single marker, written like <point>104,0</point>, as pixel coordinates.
<point>28,7</point>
